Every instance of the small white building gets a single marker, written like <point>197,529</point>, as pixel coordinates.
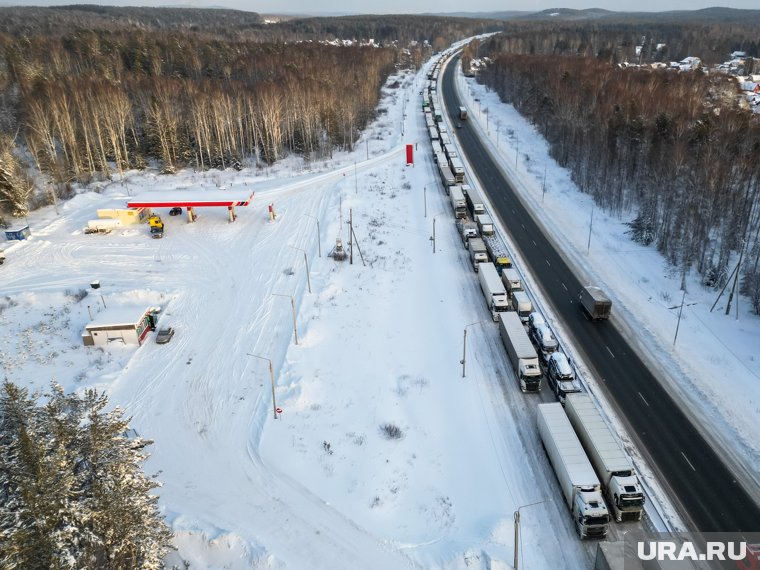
<point>123,325</point>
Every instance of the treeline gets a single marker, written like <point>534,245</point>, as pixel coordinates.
<point>615,40</point>
<point>98,102</point>
<point>240,25</point>
<point>58,20</point>
<point>92,90</point>
<point>72,493</point>
<point>673,147</point>
<point>438,31</point>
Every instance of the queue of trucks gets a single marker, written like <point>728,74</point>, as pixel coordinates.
<point>592,468</point>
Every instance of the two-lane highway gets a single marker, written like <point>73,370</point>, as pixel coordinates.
<point>694,473</point>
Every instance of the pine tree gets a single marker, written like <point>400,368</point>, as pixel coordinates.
<point>72,494</point>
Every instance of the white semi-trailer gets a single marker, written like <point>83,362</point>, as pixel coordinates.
<point>520,351</point>
<point>457,167</point>
<point>579,484</point>
<point>458,203</point>
<point>493,290</point>
<point>474,202</point>
<point>446,176</point>
<point>613,466</point>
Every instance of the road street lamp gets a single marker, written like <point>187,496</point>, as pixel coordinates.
<point>517,529</point>
<point>432,238</point>
<point>464,345</point>
<point>293,306</point>
<point>308,279</point>
<point>271,376</point>
<point>319,245</point>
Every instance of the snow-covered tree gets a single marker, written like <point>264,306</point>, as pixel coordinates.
<point>15,188</point>
<point>72,494</point>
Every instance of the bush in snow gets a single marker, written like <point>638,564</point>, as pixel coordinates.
<point>72,494</point>
<point>76,295</point>
<point>391,431</point>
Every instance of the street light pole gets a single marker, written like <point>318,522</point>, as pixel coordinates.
<point>319,244</point>
<point>517,530</point>
<point>308,278</point>
<point>464,346</point>
<point>293,306</point>
<point>271,376</point>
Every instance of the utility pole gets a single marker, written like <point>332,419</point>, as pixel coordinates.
<point>351,236</point>
<point>591,225</point>
<point>734,286</point>
<point>424,197</point>
<point>517,149</point>
<point>543,186</point>
<point>680,310</point>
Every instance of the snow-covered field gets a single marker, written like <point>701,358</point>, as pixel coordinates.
<point>384,455</point>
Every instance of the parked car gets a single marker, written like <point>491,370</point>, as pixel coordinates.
<point>175,211</point>
<point>535,319</point>
<point>545,341</point>
<point>560,376</point>
<point>164,335</point>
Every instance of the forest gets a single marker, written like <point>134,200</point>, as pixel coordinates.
<point>672,151</point>
<point>614,38</point>
<point>89,91</point>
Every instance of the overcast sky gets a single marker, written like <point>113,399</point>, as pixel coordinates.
<point>407,6</point>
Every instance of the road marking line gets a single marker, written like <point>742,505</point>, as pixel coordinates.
<point>565,286</point>
<point>547,262</point>
<point>534,242</point>
<point>608,350</point>
<point>687,461</point>
<point>643,398</point>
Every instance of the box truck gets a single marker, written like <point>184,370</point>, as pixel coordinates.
<point>612,464</point>
<point>493,290</point>
<point>522,305</point>
<point>595,303</point>
<point>478,252</point>
<point>580,487</point>
<point>521,353</point>
<point>485,224</point>
<point>512,280</point>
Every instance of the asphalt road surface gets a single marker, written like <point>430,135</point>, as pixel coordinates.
<point>697,478</point>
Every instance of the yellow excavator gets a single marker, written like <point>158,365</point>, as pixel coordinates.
<point>156,226</point>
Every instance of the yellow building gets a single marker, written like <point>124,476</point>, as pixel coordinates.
<point>126,216</point>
